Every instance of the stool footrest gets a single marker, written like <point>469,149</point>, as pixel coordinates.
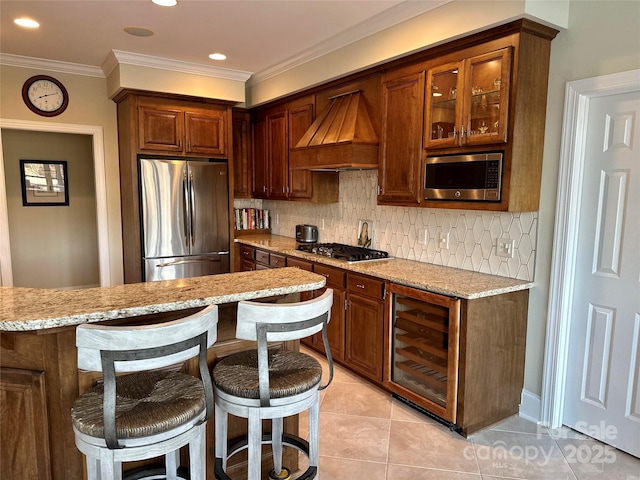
<point>288,439</point>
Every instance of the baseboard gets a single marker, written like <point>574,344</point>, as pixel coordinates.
<point>530,406</point>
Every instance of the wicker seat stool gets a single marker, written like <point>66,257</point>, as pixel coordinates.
<point>148,410</point>
<point>271,384</point>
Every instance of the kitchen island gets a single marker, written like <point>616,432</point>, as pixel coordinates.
<point>40,379</point>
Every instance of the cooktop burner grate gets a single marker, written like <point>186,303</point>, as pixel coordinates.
<point>340,251</point>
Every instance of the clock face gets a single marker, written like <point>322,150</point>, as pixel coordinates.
<point>45,95</point>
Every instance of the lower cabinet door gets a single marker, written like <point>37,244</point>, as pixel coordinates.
<point>365,335</point>
<point>25,425</point>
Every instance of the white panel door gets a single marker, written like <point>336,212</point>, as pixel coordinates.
<point>603,388</point>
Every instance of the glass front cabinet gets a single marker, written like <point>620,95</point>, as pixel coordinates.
<point>425,333</point>
<point>467,102</point>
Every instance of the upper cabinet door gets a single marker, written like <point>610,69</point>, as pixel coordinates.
<point>468,101</point>
<point>278,155</point>
<point>486,106</point>
<point>260,165</point>
<point>300,119</point>
<point>160,128</point>
<point>205,133</point>
<point>443,113</point>
<point>241,155</point>
<point>401,145</point>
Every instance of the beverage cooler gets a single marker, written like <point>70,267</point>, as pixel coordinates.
<point>425,334</point>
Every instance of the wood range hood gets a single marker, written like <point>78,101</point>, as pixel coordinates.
<point>341,138</point>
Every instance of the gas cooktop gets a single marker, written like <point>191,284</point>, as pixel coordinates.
<point>340,251</point>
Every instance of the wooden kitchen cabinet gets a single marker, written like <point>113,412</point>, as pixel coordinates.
<point>242,166</point>
<point>401,137</point>
<point>275,131</point>
<point>151,123</point>
<point>365,320</point>
<point>246,258</point>
<point>259,159</point>
<point>482,93</point>
<point>300,181</point>
<point>25,431</point>
<point>169,128</point>
<point>467,102</point>
<point>278,156</point>
<point>336,334</point>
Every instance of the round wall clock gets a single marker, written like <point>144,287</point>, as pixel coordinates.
<point>45,95</point>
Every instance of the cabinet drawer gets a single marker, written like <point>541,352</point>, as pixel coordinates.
<point>301,264</point>
<point>276,260</point>
<point>247,253</point>
<point>365,286</point>
<point>335,276</point>
<point>262,257</point>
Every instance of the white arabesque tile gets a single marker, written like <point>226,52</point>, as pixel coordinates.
<point>397,229</point>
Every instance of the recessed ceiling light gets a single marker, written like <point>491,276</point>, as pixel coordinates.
<point>218,56</point>
<point>165,3</point>
<point>138,31</point>
<point>26,22</point>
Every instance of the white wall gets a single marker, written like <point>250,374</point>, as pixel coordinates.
<point>88,105</point>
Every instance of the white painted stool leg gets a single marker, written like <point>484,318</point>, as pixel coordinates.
<point>171,461</point>
<point>255,444</point>
<point>93,468</point>
<point>221,421</point>
<point>314,428</point>
<point>109,469</point>
<point>276,444</point>
<point>197,454</point>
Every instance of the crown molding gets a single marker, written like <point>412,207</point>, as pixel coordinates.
<point>117,57</point>
<point>50,65</point>
<point>399,13</point>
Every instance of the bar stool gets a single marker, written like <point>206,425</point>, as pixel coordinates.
<point>151,410</point>
<point>271,384</point>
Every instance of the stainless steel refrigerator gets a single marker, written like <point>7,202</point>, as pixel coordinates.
<point>185,218</point>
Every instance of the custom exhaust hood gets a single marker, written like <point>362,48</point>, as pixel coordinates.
<point>341,138</point>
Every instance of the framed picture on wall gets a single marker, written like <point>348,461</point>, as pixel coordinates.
<point>44,182</point>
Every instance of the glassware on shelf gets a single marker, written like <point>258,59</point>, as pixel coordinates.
<point>483,127</point>
<point>452,93</point>
<point>476,90</point>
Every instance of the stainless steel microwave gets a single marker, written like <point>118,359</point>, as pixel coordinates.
<point>476,177</point>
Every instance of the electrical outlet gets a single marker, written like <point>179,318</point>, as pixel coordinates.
<point>423,237</point>
<point>444,241</point>
<point>505,247</point>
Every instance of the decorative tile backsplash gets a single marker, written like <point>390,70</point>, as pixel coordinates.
<point>471,236</point>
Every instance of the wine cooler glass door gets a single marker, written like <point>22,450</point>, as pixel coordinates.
<point>425,349</point>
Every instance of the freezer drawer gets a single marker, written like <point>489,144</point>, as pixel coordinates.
<point>184,267</point>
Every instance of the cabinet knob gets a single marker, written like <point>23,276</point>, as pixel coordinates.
<point>360,285</point>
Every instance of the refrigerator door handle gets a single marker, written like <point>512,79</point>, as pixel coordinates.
<point>185,210</point>
<point>192,206</point>
<point>183,262</point>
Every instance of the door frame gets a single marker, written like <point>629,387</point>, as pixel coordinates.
<point>565,243</point>
<point>96,132</point>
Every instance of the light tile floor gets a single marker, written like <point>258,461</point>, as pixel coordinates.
<point>365,434</point>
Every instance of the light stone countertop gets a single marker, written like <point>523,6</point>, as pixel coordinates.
<point>452,282</point>
<point>23,309</point>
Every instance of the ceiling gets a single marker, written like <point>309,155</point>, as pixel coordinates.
<point>257,36</point>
